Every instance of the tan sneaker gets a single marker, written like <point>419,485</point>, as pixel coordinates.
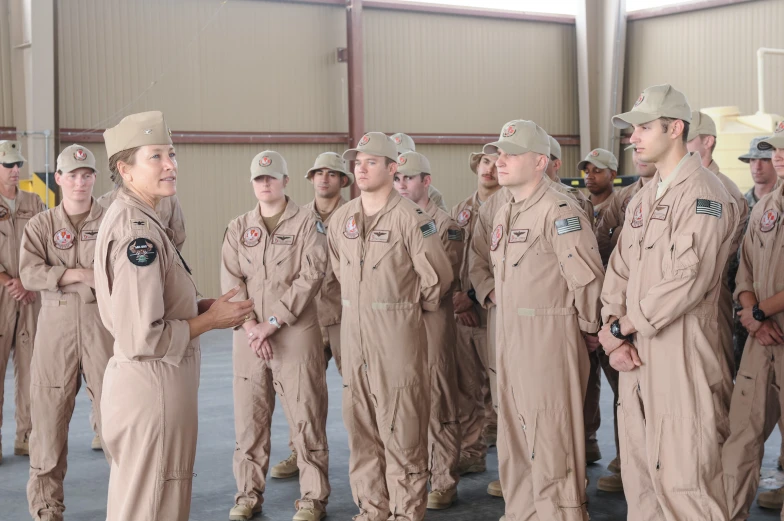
<point>592,452</point>
<point>611,483</point>
<point>309,514</point>
<point>22,447</point>
<point>771,499</point>
<point>243,512</point>
<point>441,499</point>
<point>491,435</point>
<point>615,465</point>
<point>471,465</point>
<point>286,468</point>
<point>494,488</point>
<point>96,444</point>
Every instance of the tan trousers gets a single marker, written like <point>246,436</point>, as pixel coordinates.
<point>492,375</point>
<point>149,413</point>
<point>333,343</point>
<point>471,376</point>
<point>592,411</point>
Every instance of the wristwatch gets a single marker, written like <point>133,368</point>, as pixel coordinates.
<point>274,322</point>
<point>758,314</point>
<point>615,329</point>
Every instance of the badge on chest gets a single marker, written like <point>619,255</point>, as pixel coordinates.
<point>251,237</point>
<point>88,235</point>
<point>464,217</point>
<point>63,239</point>
<point>660,213</point>
<point>637,217</point>
<point>351,230</point>
<point>496,239</point>
<point>769,220</point>
<point>282,240</point>
<point>518,236</point>
<point>5,213</point>
<point>379,236</point>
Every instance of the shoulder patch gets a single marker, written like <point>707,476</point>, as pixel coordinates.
<point>454,235</point>
<point>320,228</point>
<point>429,228</point>
<point>708,207</point>
<point>568,225</point>
<point>142,252</point>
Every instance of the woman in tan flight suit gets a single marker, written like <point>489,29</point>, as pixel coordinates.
<point>277,255</point>
<point>148,301</point>
<point>58,247</point>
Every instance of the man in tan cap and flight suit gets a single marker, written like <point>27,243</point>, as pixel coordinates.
<point>411,181</point>
<point>546,317</point>
<point>660,312</point>
<point>760,291</point>
<point>404,143</point>
<point>18,307</point>
<point>476,405</point>
<point>392,268</point>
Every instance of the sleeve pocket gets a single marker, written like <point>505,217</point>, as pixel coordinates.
<point>427,275</point>
<point>685,259</point>
<point>575,270</point>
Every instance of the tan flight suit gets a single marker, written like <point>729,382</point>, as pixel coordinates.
<point>444,428</point>
<point>752,416</point>
<point>610,221</point>
<point>472,379</point>
<point>328,299</point>
<point>169,214</point>
<point>81,345</point>
<point>17,322</point>
<point>665,274</point>
<point>548,275</point>
<point>282,271</point>
<point>437,197</point>
<point>583,202</point>
<point>388,275</point>
<point>149,407</point>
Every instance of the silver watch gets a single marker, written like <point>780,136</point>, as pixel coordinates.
<point>274,322</point>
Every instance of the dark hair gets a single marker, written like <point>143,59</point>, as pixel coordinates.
<point>388,161</point>
<point>126,156</point>
<point>666,123</point>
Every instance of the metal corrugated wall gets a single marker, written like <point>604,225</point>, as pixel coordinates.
<point>6,111</point>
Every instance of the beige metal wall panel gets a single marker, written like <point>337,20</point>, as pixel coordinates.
<point>6,111</point>
<point>711,55</point>
<point>243,65</point>
<point>434,73</point>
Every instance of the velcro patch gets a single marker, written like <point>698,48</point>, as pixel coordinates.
<point>518,236</point>
<point>89,235</point>
<point>454,235</point>
<point>320,228</point>
<point>660,212</point>
<point>568,225</point>
<point>285,240</point>
<point>379,236</point>
<point>139,224</point>
<point>708,207</point>
<point>142,252</point>
<point>428,229</point>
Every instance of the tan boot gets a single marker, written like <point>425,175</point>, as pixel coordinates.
<point>471,465</point>
<point>441,499</point>
<point>491,435</point>
<point>592,452</point>
<point>494,489</point>
<point>96,444</point>
<point>615,465</point>
<point>22,447</point>
<point>771,499</point>
<point>286,468</point>
<point>243,512</point>
<point>309,514</point>
<point>611,483</point>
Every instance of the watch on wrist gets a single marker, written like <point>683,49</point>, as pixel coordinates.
<point>615,329</point>
<point>274,322</point>
<point>758,314</point>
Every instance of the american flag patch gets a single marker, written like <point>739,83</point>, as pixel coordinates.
<point>454,235</point>
<point>570,224</point>
<point>428,229</point>
<point>708,207</point>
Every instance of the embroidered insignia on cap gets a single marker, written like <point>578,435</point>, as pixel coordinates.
<point>637,217</point>
<point>428,229</point>
<point>251,237</point>
<point>568,225</point>
<point>265,161</point>
<point>320,228</point>
<point>463,217</point>
<point>780,127</point>
<point>402,160</point>
<point>454,235</point>
<point>769,220</point>
<point>88,235</point>
<point>518,236</point>
<point>708,207</point>
<point>80,154</point>
<point>352,230</point>
<point>398,140</point>
<point>148,131</point>
<point>364,141</point>
<point>4,213</point>
<point>63,239</point>
<point>379,236</point>
<point>509,131</point>
<point>595,153</point>
<point>497,234</point>
<point>639,100</point>
<point>142,252</point>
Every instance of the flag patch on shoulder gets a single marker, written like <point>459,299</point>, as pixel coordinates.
<point>428,229</point>
<point>570,224</point>
<point>708,207</point>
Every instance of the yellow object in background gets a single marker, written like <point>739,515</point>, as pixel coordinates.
<point>36,185</point>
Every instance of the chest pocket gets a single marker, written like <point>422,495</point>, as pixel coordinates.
<point>656,231</point>
<point>251,260</point>
<point>281,249</point>
<point>526,251</point>
<point>382,252</point>
<point>684,258</point>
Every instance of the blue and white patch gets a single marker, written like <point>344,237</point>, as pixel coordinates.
<point>428,229</point>
<point>570,224</point>
<point>708,207</point>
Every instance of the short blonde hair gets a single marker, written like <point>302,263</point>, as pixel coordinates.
<point>126,156</point>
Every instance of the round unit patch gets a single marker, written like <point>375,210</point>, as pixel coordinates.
<point>63,239</point>
<point>251,237</point>
<point>401,160</point>
<point>364,141</point>
<point>352,230</point>
<point>265,161</point>
<point>639,100</point>
<point>497,234</point>
<point>509,131</point>
<point>637,218</point>
<point>769,220</point>
<point>463,217</point>
<point>142,252</point>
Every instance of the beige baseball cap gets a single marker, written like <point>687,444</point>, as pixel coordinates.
<point>403,142</point>
<point>331,161</point>
<point>474,158</point>
<point>75,156</point>
<point>601,158</point>
<point>137,130</point>
<point>659,101</point>
<point>268,163</point>
<point>555,148</point>
<point>11,152</point>
<point>375,144</point>
<point>520,136</point>
<point>774,141</point>
<point>701,125</point>
<point>412,163</point>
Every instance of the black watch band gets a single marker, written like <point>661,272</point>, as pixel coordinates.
<point>615,329</point>
<point>758,314</point>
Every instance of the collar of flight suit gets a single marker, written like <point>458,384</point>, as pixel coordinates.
<point>713,167</point>
<point>288,212</point>
<point>392,201</point>
<point>431,208</point>
<point>96,210</point>
<point>534,198</point>
<point>312,207</point>
<point>685,169</point>
<point>131,199</point>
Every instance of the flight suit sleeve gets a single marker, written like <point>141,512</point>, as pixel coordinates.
<point>34,270</point>
<point>616,279</point>
<point>587,207</point>
<point>177,223</point>
<point>744,280</point>
<point>333,251</point>
<point>137,304</point>
<point>608,221</point>
<point>480,271</point>
<point>431,263</point>
<point>452,239</point>
<point>311,272</point>
<point>696,250</point>
<point>579,262</point>
<point>438,198</point>
<point>231,272</point>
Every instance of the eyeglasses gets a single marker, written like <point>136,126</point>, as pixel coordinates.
<point>11,165</point>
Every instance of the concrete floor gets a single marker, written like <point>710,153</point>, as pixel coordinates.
<point>214,487</point>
